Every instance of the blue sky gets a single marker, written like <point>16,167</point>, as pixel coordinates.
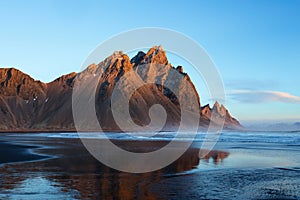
<point>255,44</point>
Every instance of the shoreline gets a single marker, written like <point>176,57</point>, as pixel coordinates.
<point>225,130</point>
<point>201,129</point>
<point>37,131</point>
<point>12,153</point>
<point>31,148</point>
<point>18,150</point>
<point>69,169</point>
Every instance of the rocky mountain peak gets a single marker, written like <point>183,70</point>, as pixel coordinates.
<point>221,113</point>
<point>206,107</point>
<point>179,68</point>
<point>28,104</point>
<point>216,105</point>
<point>206,111</point>
<point>138,58</point>
<point>155,55</point>
<point>118,61</point>
<point>219,108</point>
<point>13,82</point>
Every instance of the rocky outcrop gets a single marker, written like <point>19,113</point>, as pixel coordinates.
<point>20,99</point>
<point>155,55</point>
<point>30,105</point>
<point>220,113</point>
<point>15,83</point>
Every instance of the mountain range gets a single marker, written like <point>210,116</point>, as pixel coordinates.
<point>28,105</point>
<point>273,126</point>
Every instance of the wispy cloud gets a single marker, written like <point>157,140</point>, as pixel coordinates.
<point>262,96</point>
<point>251,84</point>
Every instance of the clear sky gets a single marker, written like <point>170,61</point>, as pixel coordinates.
<point>255,44</point>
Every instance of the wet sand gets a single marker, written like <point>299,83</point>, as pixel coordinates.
<point>71,172</point>
<point>11,153</point>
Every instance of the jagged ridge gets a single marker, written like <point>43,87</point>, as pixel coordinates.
<point>30,105</point>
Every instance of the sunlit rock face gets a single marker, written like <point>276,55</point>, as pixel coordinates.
<point>30,105</point>
<point>220,113</point>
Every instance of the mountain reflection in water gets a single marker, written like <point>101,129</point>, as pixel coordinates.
<point>74,173</point>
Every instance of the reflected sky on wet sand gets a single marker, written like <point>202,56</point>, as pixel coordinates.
<point>74,174</point>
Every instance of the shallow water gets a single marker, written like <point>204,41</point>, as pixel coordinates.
<point>242,166</point>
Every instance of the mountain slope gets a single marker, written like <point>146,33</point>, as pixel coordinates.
<point>30,105</point>
<point>221,113</point>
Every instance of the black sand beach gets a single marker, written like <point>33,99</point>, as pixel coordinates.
<point>70,172</point>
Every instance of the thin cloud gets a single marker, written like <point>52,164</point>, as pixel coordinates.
<point>262,96</point>
<point>251,84</point>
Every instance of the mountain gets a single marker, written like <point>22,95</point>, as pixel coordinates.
<point>220,113</point>
<point>30,105</point>
<point>297,124</point>
<point>273,126</point>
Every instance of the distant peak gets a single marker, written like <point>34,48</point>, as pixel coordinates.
<point>219,109</point>
<point>216,105</point>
